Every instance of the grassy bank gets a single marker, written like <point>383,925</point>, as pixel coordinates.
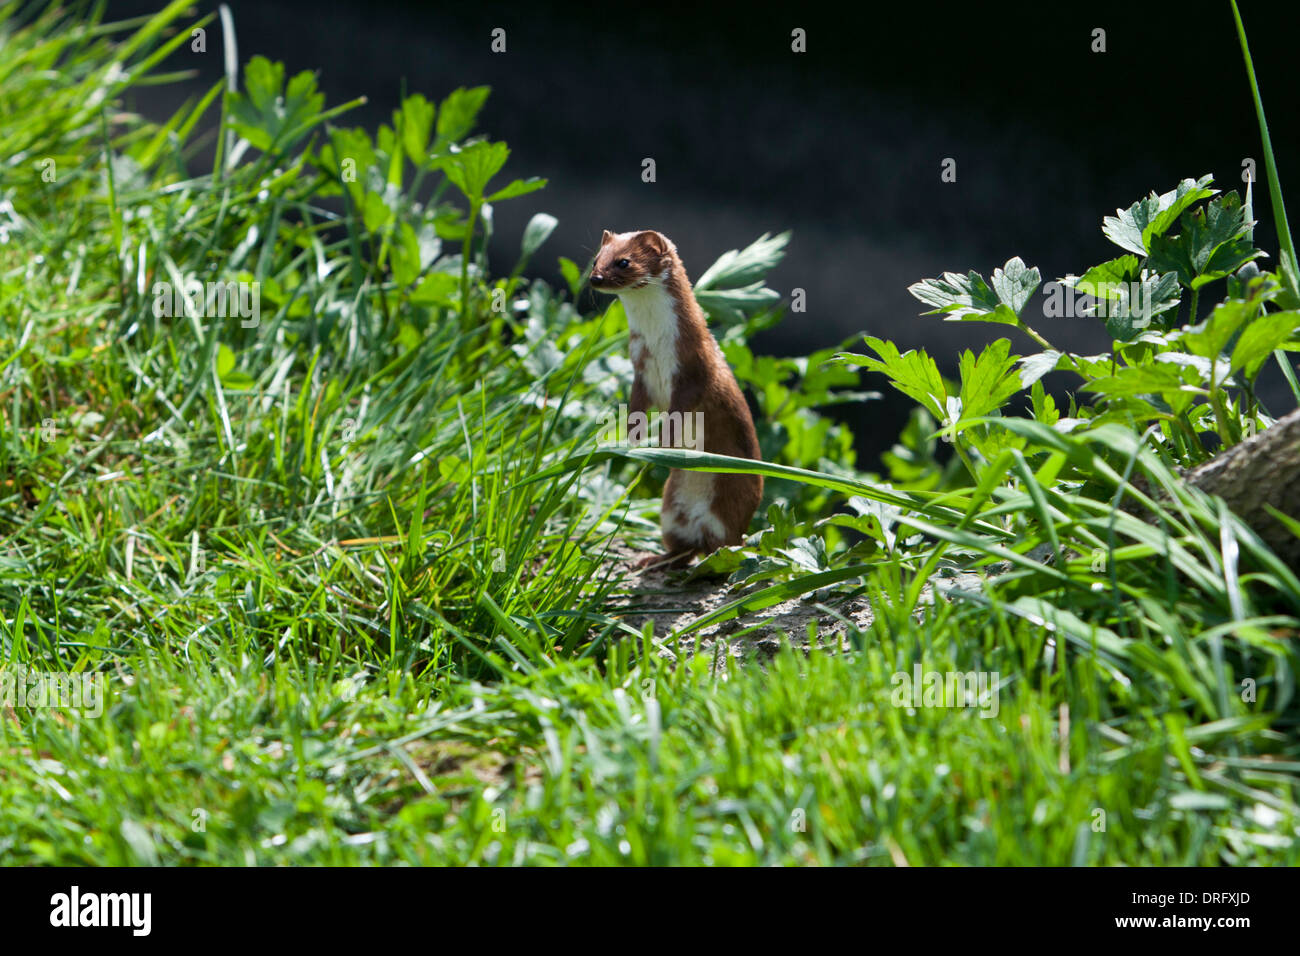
<point>335,546</point>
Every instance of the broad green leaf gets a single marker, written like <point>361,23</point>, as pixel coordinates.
<point>1210,245</point>
<point>1015,284</point>
<point>415,120</point>
<point>960,295</point>
<point>1101,280</point>
<point>349,156</point>
<point>1175,384</point>
<point>225,360</point>
<point>437,288</point>
<point>808,553</point>
<point>1133,228</point>
<point>388,145</point>
<point>987,382</point>
<point>473,167</point>
<point>1089,366</point>
<point>1034,367</point>
<point>1227,259</point>
<point>1202,365</point>
<point>1260,338</point>
<point>1214,335</point>
<point>1135,305</point>
<point>450,224</point>
<point>404,256</point>
<point>949,511</point>
<point>721,562</point>
<point>733,287</point>
<point>375,212</point>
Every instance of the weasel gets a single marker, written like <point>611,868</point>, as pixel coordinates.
<point>680,369</point>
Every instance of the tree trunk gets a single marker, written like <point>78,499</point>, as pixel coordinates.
<point>1262,470</point>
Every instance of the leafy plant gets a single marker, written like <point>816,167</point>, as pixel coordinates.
<point>1187,375</point>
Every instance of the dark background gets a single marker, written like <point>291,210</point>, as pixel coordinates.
<point>842,144</point>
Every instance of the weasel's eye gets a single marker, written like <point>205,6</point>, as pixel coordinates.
<point>622,263</point>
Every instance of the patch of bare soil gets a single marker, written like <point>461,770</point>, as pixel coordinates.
<point>673,600</point>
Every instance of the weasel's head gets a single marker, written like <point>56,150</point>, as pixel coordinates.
<point>631,260</point>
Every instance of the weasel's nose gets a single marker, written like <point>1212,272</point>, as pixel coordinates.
<point>597,278</point>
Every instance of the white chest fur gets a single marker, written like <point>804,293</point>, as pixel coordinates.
<point>650,315</point>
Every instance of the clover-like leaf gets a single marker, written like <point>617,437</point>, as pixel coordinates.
<point>268,119</point>
<point>458,112</point>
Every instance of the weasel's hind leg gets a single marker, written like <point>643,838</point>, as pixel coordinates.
<point>736,498</point>
<point>687,518</point>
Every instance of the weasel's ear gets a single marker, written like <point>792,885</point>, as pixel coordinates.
<point>655,242</point>
<point>606,236</point>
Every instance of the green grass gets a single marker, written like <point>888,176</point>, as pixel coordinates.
<point>343,572</point>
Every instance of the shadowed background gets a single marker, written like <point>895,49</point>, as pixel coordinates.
<point>843,144</point>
